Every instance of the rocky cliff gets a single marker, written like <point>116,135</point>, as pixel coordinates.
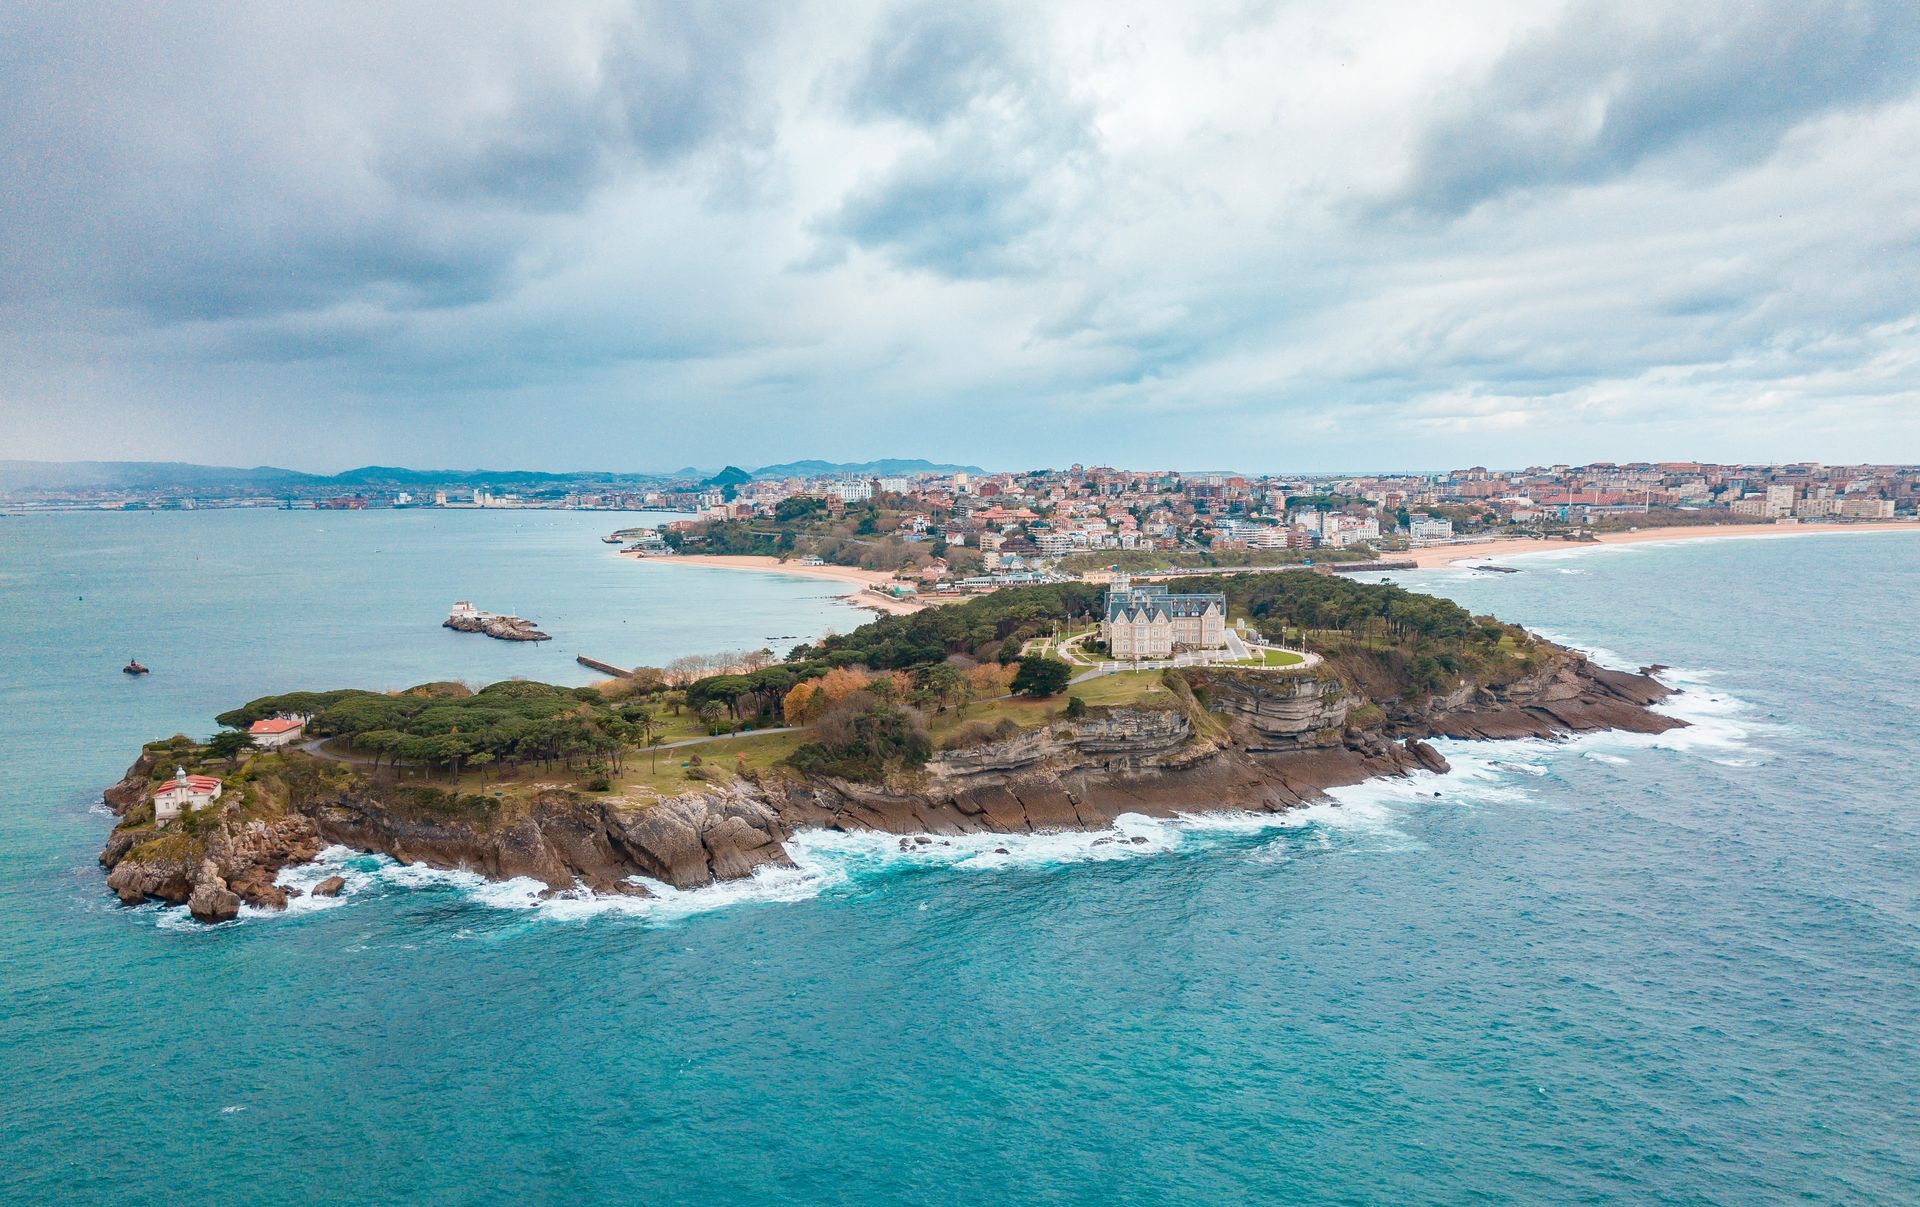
<point>1238,740</point>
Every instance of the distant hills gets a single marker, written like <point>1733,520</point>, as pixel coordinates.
<point>177,475</point>
<point>890,467</point>
<point>16,476</point>
<point>140,475</point>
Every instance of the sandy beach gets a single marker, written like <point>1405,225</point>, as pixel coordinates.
<point>855,580</point>
<point>1481,550</point>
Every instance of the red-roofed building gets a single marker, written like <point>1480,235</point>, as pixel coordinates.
<point>277,731</point>
<point>183,794</point>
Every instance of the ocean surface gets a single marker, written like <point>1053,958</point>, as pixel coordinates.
<point>1674,969</point>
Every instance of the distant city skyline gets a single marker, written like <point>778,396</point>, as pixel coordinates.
<point>636,236</point>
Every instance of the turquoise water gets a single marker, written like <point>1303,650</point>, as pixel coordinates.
<point>1677,969</point>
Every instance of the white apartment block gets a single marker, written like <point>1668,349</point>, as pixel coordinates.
<point>1429,530</point>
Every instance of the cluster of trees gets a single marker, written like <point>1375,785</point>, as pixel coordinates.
<point>865,535</point>
<point>865,737</point>
<point>1425,641</point>
<point>934,687</point>
<point>691,668</point>
<point>989,628</point>
<point>515,722</point>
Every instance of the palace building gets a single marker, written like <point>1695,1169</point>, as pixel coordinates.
<point>1152,622</point>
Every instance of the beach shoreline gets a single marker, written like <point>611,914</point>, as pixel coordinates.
<point>853,578</point>
<point>1446,555</point>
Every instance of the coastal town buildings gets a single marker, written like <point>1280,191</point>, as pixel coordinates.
<point>1428,530</point>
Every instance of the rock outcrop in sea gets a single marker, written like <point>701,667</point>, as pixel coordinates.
<point>1234,739</point>
<point>500,628</point>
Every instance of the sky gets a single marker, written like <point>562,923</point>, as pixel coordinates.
<point>1263,236</point>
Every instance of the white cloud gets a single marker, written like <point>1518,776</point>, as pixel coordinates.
<point>1267,235</point>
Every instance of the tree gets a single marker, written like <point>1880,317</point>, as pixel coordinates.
<point>1076,707</point>
<point>479,762</point>
<point>228,743</point>
<point>1040,675</point>
<point>793,707</point>
<point>940,685</point>
<point>989,680</point>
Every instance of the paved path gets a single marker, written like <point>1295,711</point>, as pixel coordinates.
<point>1236,648</point>
<point>723,737</point>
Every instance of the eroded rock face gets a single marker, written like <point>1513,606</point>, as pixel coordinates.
<point>1570,695</point>
<point>564,840</point>
<point>1109,738</point>
<point>210,900</point>
<point>1281,712</point>
<point>133,787</point>
<point>148,863</point>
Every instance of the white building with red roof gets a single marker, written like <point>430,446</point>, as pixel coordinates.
<point>277,731</point>
<point>183,794</point>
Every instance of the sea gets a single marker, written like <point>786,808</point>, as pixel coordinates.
<point>1677,969</point>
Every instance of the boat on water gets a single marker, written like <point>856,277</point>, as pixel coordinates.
<point>611,540</point>
<point>134,668</point>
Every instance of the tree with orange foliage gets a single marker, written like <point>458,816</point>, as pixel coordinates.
<point>989,680</point>
<point>793,706</point>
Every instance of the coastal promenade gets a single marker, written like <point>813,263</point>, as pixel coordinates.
<point>1445,555</point>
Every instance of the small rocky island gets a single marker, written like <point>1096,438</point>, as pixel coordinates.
<point>465,619</point>
<point>569,796</point>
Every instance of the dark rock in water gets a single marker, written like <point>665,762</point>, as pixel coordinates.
<point>1426,756</point>
<point>923,840</point>
<point>1137,841</point>
<point>255,886</point>
<point>330,887</point>
<point>210,900</point>
<point>1000,851</point>
<point>500,628</point>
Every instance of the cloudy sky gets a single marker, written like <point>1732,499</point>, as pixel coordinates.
<point>1261,235</point>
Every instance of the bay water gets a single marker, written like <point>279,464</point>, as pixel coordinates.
<point>1677,968</point>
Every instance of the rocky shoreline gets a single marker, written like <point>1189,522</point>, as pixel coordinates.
<point>500,628</point>
<point>1242,740</point>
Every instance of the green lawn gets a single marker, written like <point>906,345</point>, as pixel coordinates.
<point>719,761</point>
<point>1269,657</point>
<point>1126,687</point>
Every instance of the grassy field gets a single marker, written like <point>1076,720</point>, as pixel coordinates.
<point>1269,657</point>
<point>1125,687</point>
<point>719,762</point>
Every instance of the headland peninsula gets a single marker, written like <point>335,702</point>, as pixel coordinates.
<point>1029,709</point>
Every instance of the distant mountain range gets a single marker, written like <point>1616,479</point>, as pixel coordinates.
<point>178,475</point>
<point>890,467</point>
<point>18,476</point>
